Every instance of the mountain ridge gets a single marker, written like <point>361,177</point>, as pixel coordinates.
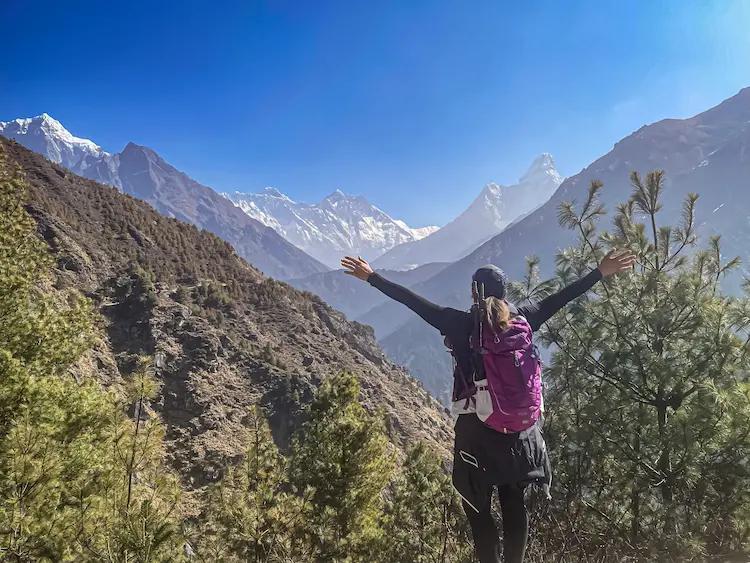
<point>141,171</point>
<point>490,212</point>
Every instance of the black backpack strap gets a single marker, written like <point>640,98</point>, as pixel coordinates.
<point>478,314</point>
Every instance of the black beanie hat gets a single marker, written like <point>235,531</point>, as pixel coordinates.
<point>493,279</point>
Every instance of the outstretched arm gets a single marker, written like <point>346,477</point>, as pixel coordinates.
<point>435,315</point>
<point>539,313</point>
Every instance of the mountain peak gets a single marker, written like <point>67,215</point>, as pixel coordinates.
<point>46,135</point>
<point>273,192</point>
<point>496,207</point>
<point>133,148</point>
<point>42,118</point>
<point>542,165</point>
<point>55,128</point>
<point>336,195</point>
<point>48,125</point>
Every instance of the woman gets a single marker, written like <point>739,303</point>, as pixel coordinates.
<point>485,458</point>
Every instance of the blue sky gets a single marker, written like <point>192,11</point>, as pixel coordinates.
<point>414,104</point>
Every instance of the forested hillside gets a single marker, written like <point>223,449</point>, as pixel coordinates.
<point>228,335</point>
<point>143,333</point>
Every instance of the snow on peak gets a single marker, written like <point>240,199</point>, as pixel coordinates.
<point>542,165</point>
<point>337,196</point>
<point>45,124</point>
<point>339,224</point>
<point>417,232</point>
<point>47,136</point>
<point>491,191</point>
<point>273,192</point>
<point>47,118</point>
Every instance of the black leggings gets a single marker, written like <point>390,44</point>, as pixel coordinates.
<point>515,527</point>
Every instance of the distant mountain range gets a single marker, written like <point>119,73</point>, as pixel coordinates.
<point>708,154</point>
<point>494,209</point>
<point>285,238</point>
<point>340,224</point>
<point>141,172</point>
<point>344,224</point>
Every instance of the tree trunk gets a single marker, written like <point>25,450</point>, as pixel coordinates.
<point>635,493</point>
<point>665,468</point>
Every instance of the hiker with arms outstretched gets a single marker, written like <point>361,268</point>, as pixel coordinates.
<point>497,394</point>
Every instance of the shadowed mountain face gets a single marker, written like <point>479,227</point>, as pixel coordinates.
<point>225,336</point>
<point>142,173</point>
<point>708,154</point>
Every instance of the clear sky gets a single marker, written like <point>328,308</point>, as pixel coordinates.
<point>413,104</point>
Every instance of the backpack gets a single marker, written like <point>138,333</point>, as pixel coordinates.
<point>507,373</point>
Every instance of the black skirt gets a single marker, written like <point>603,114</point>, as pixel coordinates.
<point>483,457</point>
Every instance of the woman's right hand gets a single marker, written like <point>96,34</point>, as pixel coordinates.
<point>616,261</point>
<point>357,267</point>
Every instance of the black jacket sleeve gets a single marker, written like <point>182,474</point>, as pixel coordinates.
<point>436,315</point>
<point>539,313</point>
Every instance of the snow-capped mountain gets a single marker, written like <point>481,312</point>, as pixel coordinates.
<point>339,224</point>
<point>141,172</point>
<point>47,136</point>
<point>493,210</point>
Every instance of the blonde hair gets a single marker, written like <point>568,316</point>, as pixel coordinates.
<point>498,314</point>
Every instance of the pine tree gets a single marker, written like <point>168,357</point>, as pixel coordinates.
<point>423,521</point>
<point>341,463</point>
<point>59,478</point>
<point>649,397</point>
<point>141,499</point>
<point>49,424</point>
<point>251,512</point>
